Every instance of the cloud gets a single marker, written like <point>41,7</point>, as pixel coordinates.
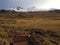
<point>50,4</point>
<point>41,4</point>
<point>23,3</point>
<point>28,3</point>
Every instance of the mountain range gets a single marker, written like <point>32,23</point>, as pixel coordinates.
<point>20,9</point>
<point>31,9</point>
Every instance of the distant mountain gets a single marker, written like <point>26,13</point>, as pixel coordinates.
<point>55,10</point>
<point>20,9</point>
<point>17,9</point>
<point>3,11</point>
<point>33,9</point>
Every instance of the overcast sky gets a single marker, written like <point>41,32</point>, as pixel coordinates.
<point>40,4</point>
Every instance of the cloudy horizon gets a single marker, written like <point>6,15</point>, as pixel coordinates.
<point>39,4</point>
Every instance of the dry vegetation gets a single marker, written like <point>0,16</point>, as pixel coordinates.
<point>36,28</point>
<point>43,20</point>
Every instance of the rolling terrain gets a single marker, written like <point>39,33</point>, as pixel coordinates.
<point>45,19</point>
<point>35,28</point>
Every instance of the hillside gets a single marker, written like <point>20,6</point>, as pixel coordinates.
<point>30,28</point>
<point>54,14</point>
<point>49,20</point>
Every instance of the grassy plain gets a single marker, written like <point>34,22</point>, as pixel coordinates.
<point>43,27</point>
<point>40,23</point>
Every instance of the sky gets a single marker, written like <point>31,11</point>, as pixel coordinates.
<point>40,4</point>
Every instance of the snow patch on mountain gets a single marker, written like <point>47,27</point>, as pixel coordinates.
<point>15,9</point>
<point>19,9</point>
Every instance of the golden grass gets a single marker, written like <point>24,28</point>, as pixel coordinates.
<point>43,23</point>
